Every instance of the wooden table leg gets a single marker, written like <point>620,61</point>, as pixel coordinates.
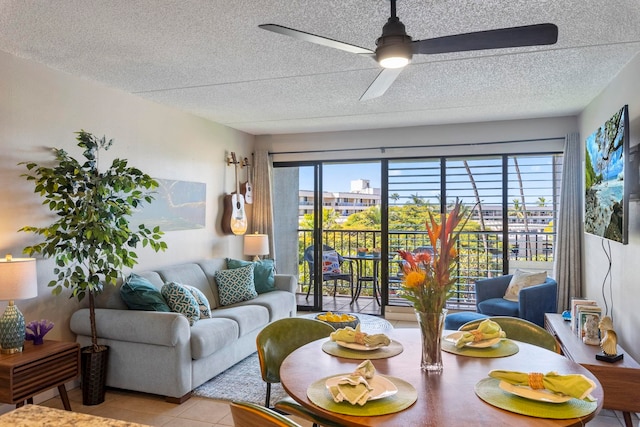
<point>64,397</point>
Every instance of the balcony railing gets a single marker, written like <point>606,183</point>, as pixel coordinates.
<point>481,255</point>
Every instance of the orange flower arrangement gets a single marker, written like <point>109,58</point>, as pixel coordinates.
<point>428,281</point>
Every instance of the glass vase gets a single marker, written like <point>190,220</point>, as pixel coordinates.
<point>431,325</point>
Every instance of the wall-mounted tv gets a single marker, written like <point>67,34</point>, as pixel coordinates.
<point>606,204</point>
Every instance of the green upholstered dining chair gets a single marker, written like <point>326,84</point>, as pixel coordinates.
<point>247,414</point>
<point>520,330</point>
<point>275,342</point>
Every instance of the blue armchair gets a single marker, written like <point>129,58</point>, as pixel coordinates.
<point>533,302</point>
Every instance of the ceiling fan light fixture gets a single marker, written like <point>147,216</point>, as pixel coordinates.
<point>394,55</point>
<point>394,49</point>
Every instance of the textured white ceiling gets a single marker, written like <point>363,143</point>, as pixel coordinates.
<point>209,57</point>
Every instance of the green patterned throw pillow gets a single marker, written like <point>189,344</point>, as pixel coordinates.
<point>236,285</point>
<point>263,273</point>
<point>182,301</point>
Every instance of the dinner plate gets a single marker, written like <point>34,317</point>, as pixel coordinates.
<point>529,393</point>
<point>356,346</point>
<point>480,344</point>
<point>382,387</point>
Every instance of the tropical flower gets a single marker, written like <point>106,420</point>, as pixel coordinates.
<point>428,276</point>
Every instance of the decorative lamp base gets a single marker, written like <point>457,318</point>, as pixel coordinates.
<point>12,330</point>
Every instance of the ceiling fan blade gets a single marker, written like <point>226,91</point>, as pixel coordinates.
<point>528,35</point>
<point>312,38</point>
<point>381,83</point>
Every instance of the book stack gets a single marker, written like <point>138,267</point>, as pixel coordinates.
<point>585,316</point>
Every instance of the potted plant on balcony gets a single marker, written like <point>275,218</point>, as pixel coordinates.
<point>91,241</point>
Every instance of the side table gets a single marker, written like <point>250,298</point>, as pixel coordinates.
<point>37,369</point>
<point>619,379</point>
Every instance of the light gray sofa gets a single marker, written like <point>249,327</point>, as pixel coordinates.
<point>159,353</point>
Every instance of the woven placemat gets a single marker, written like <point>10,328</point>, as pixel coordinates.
<point>405,397</point>
<point>393,349</point>
<point>504,348</point>
<point>489,391</point>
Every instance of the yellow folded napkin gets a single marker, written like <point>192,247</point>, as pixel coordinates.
<point>355,388</point>
<point>574,385</point>
<point>351,335</point>
<point>487,330</point>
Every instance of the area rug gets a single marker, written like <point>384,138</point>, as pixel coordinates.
<point>241,382</point>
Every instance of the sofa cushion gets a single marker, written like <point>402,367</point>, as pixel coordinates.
<point>139,294</point>
<point>203,303</point>
<point>498,307</point>
<point>263,273</point>
<point>209,267</point>
<point>279,303</point>
<point>236,285</point>
<point>211,335</point>
<point>188,274</point>
<point>181,301</point>
<point>249,317</point>
<point>523,279</point>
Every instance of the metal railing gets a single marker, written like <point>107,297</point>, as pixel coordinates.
<point>481,255</point>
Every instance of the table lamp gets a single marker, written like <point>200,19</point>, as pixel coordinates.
<point>18,280</point>
<point>256,245</point>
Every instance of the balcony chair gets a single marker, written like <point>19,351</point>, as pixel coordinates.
<point>247,414</point>
<point>520,330</point>
<point>533,301</point>
<point>274,343</point>
<point>328,276</point>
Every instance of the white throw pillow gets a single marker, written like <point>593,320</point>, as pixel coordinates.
<point>523,279</point>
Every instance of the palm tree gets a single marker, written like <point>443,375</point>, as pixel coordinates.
<point>524,205</point>
<point>479,204</point>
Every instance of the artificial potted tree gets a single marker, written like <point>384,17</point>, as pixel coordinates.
<point>91,241</point>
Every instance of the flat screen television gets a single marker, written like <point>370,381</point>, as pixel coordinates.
<point>606,204</point>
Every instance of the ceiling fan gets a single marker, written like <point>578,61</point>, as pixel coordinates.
<point>395,48</point>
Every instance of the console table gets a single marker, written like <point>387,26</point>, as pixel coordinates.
<point>619,379</point>
<point>38,368</point>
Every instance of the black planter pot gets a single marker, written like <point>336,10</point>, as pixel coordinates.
<point>93,366</point>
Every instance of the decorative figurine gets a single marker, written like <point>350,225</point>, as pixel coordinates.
<point>609,341</point>
<point>39,329</point>
<point>591,330</point>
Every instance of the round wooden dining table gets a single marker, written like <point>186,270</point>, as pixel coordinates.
<point>445,399</point>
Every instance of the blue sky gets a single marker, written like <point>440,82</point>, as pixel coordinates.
<point>338,177</point>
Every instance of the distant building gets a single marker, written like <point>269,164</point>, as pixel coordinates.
<point>362,196</point>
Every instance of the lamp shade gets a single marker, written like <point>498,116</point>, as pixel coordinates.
<point>256,244</point>
<point>18,278</point>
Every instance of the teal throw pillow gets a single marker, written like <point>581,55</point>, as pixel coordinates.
<point>182,301</point>
<point>139,294</point>
<point>263,273</point>
<point>203,302</point>
<point>236,285</point>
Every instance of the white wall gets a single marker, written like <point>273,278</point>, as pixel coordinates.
<point>625,271</point>
<point>42,108</point>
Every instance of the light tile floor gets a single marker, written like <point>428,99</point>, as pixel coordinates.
<point>201,412</point>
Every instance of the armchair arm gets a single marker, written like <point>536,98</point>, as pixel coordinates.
<point>537,300</point>
<point>494,287</point>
